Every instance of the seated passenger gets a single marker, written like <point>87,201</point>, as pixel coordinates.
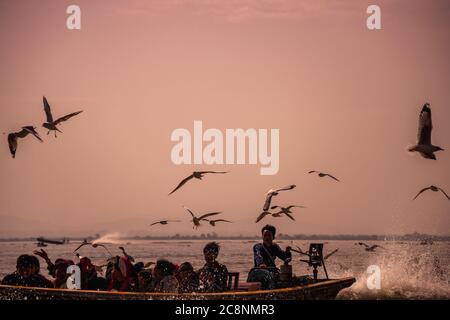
<point>265,253</point>
<point>164,279</point>
<point>144,281</point>
<point>187,278</point>
<point>61,274</point>
<point>25,274</point>
<point>120,274</point>
<point>37,272</point>
<point>213,276</point>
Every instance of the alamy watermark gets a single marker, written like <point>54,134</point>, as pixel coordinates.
<point>373,280</point>
<point>73,21</point>
<point>74,279</point>
<point>373,22</point>
<point>235,146</point>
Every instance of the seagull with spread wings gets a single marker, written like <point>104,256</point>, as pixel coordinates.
<point>424,145</point>
<point>306,253</point>
<point>196,220</point>
<point>164,222</point>
<point>12,138</point>
<point>323,174</point>
<point>197,175</point>
<point>262,215</point>
<point>213,222</point>
<point>51,124</point>
<point>432,188</point>
<point>271,193</point>
<point>369,248</point>
<point>285,210</point>
<point>93,245</point>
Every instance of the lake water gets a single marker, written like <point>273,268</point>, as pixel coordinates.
<point>408,270</point>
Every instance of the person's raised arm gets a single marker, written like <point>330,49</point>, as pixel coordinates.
<point>50,266</point>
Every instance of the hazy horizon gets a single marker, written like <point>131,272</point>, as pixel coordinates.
<point>345,99</point>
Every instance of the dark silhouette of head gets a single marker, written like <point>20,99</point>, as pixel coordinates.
<point>164,268</point>
<point>25,265</point>
<point>186,266</point>
<point>268,233</point>
<point>211,251</point>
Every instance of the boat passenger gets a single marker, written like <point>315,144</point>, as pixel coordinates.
<point>144,281</point>
<point>187,278</point>
<point>37,272</point>
<point>25,274</point>
<point>120,277</point>
<point>213,276</point>
<point>164,279</point>
<point>50,265</point>
<point>61,274</point>
<point>265,270</point>
<point>57,270</point>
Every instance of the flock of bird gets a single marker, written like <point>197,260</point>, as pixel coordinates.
<point>280,210</point>
<point>50,125</point>
<point>423,146</point>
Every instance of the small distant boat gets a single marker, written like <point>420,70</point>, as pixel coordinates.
<point>315,290</point>
<point>51,241</point>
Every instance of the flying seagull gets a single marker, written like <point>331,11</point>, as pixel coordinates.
<point>432,188</point>
<point>323,174</point>
<point>93,245</point>
<point>195,220</point>
<point>424,146</point>
<point>262,215</point>
<point>164,222</point>
<point>197,175</point>
<point>285,210</point>
<point>12,138</point>
<point>299,250</point>
<point>369,248</point>
<point>272,193</point>
<point>279,214</point>
<point>51,124</point>
<point>213,222</point>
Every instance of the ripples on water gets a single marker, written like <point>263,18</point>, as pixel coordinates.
<point>408,270</point>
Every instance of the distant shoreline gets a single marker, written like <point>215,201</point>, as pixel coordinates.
<point>213,236</point>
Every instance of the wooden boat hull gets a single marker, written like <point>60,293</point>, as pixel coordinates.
<point>323,289</point>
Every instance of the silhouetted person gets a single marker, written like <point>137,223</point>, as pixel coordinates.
<point>265,270</point>
<point>213,276</point>
<point>187,278</point>
<point>164,277</point>
<point>25,274</point>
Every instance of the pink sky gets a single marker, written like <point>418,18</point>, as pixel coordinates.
<point>346,101</point>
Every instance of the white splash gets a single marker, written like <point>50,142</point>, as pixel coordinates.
<point>405,274</point>
<point>111,238</point>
